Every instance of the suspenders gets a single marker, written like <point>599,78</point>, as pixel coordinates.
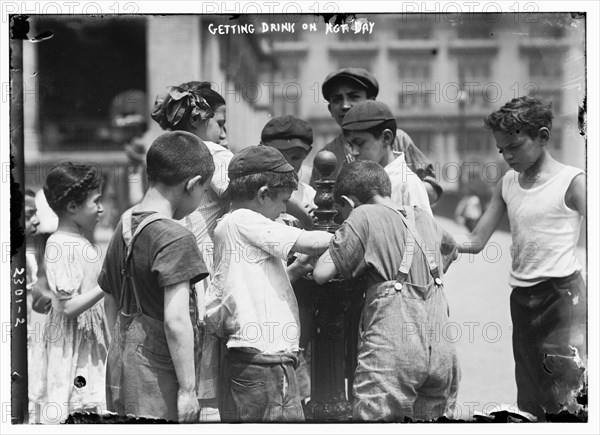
<point>129,239</point>
<point>407,214</point>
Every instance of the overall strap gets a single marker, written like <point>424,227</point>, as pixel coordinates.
<point>129,240</point>
<point>407,214</point>
<point>407,257</point>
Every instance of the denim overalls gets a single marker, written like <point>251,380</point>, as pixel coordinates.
<point>140,376</point>
<point>406,365</point>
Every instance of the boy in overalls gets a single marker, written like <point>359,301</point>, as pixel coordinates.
<point>406,368</point>
<point>150,264</point>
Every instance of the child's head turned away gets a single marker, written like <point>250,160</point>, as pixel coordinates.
<point>177,156</point>
<point>291,136</point>
<point>360,182</point>
<point>261,179</point>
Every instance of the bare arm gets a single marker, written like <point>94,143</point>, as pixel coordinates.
<point>575,196</point>
<point>180,339</point>
<point>312,242</point>
<point>73,307</point>
<point>111,309</point>
<point>473,243</point>
<point>296,209</point>
<point>324,269</point>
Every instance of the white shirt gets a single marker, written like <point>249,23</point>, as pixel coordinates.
<point>250,298</point>
<point>544,230</point>
<point>407,187</point>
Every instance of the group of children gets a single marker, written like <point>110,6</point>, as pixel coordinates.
<point>204,259</point>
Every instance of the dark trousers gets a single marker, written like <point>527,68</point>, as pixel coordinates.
<point>549,331</point>
<point>260,388</point>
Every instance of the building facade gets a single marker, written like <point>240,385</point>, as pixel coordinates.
<point>442,74</point>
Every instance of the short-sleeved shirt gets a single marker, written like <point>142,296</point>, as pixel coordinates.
<point>250,296</point>
<point>72,265</point>
<point>164,254</point>
<point>372,241</point>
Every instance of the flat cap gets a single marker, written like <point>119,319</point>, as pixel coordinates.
<point>257,159</point>
<point>285,132</point>
<point>360,76</point>
<point>367,114</point>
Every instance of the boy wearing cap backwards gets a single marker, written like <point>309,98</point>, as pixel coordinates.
<point>403,370</point>
<point>251,301</point>
<point>370,128</point>
<point>349,86</point>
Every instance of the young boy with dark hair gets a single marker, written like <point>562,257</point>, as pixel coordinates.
<point>546,202</point>
<point>150,368</point>
<point>252,304</point>
<point>370,129</point>
<point>403,369</point>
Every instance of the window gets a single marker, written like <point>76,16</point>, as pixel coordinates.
<point>474,74</point>
<point>547,25</point>
<point>476,26</point>
<point>289,91</point>
<point>414,76</point>
<point>545,66</point>
<point>357,60</point>
<point>424,141</point>
<point>415,26</point>
<point>474,142</point>
<point>78,92</point>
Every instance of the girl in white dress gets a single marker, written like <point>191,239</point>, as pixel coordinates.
<point>76,334</point>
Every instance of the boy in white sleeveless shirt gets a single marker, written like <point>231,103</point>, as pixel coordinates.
<point>546,201</point>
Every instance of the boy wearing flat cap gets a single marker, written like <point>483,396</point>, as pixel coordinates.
<point>370,128</point>
<point>293,138</point>
<point>251,301</point>
<point>349,86</point>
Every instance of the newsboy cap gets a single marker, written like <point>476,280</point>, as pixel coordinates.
<point>285,132</point>
<point>360,76</point>
<point>257,159</point>
<point>367,114</point>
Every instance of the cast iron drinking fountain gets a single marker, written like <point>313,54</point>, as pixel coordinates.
<point>333,336</point>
